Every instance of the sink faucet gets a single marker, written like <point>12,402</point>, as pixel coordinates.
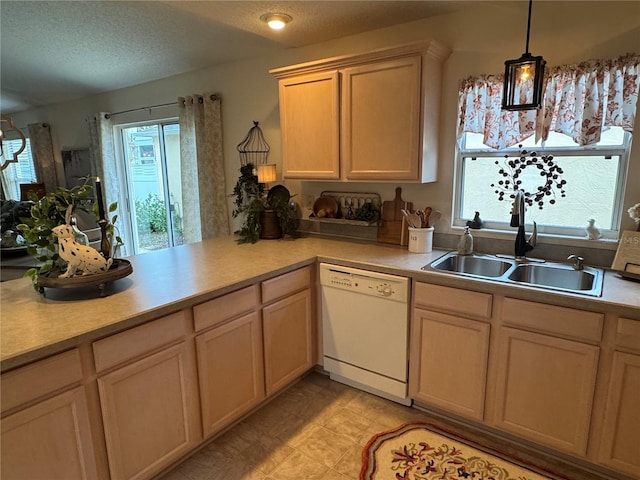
<point>577,261</point>
<point>522,246</point>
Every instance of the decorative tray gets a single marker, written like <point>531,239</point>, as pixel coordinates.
<point>13,251</point>
<point>120,268</point>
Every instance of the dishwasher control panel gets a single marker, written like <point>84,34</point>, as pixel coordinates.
<point>363,281</point>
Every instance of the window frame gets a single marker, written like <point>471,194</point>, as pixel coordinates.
<point>125,175</point>
<point>12,181</point>
<point>577,232</point>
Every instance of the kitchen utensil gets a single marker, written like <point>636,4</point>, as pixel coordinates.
<point>426,213</point>
<point>326,207</point>
<point>434,217</point>
<point>278,193</point>
<point>413,219</point>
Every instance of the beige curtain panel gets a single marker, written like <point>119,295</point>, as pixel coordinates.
<point>42,151</point>
<point>202,165</point>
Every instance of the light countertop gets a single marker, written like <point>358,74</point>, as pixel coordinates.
<point>34,326</point>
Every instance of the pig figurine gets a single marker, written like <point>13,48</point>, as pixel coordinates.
<point>78,257</point>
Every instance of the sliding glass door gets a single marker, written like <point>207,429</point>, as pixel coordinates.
<point>151,155</point>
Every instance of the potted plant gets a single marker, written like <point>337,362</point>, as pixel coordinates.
<point>264,217</point>
<point>50,211</point>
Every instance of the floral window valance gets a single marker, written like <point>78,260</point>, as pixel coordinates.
<point>578,101</point>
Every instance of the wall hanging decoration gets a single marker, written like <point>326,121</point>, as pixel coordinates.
<point>523,79</point>
<point>512,172</point>
<point>267,216</point>
<point>7,128</point>
<point>253,148</point>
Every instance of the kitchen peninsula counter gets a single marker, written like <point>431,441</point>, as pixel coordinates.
<point>34,326</point>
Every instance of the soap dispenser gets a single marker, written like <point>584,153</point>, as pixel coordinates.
<point>465,244</point>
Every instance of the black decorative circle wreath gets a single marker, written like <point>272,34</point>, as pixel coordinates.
<point>512,172</point>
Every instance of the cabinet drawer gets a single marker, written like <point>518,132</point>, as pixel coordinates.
<point>224,308</point>
<point>286,284</point>
<point>569,322</point>
<point>41,378</point>
<point>138,341</point>
<point>628,334</point>
<point>473,304</point>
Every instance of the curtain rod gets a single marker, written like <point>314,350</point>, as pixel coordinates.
<point>109,115</point>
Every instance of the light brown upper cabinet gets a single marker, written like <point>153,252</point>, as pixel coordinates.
<point>367,117</point>
<point>310,124</point>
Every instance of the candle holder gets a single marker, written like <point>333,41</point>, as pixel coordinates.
<point>105,243</point>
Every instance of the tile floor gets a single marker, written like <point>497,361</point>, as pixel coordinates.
<point>315,430</point>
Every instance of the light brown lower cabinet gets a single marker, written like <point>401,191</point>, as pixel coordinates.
<point>288,340</point>
<point>148,409</point>
<point>450,333</point>
<point>545,388</point>
<point>46,425</point>
<point>449,362</point>
<point>620,446</point>
<point>49,440</point>
<point>148,391</point>
<point>230,371</point>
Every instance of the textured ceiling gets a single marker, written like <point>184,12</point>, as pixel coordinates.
<point>55,51</point>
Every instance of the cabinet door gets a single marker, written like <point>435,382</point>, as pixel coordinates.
<point>449,362</point>
<point>50,439</point>
<point>288,346</point>
<point>149,412</point>
<point>620,447</point>
<point>230,370</point>
<point>380,134</point>
<point>545,388</point>
<point>309,121</point>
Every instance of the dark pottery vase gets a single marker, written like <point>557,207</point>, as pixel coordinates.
<point>269,225</point>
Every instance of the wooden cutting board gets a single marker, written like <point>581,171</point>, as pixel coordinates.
<point>393,227</point>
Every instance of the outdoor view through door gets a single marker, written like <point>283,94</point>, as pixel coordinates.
<point>152,164</point>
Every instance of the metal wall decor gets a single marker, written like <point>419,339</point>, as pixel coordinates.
<point>253,148</point>
<point>512,172</point>
<point>6,125</point>
<point>523,79</point>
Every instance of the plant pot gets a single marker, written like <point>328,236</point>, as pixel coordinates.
<point>269,225</point>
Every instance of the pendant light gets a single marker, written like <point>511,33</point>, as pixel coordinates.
<point>523,79</point>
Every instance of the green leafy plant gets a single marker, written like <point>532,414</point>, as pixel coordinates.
<point>246,189</point>
<point>250,201</point>
<point>151,214</point>
<point>47,213</point>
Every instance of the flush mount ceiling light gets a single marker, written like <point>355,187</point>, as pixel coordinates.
<point>276,21</point>
<point>523,79</point>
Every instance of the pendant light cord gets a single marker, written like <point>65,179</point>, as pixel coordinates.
<point>528,27</point>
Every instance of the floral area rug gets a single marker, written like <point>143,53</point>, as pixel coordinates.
<point>413,452</point>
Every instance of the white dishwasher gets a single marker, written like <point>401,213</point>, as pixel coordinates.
<point>365,330</point>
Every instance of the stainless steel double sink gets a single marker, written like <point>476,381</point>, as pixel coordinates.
<point>541,274</point>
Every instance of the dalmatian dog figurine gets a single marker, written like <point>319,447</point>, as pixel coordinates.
<point>78,256</point>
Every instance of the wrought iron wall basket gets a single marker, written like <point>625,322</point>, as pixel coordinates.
<point>253,148</point>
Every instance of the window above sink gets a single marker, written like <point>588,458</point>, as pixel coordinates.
<point>594,178</point>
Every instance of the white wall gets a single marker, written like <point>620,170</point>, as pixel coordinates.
<point>481,39</point>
